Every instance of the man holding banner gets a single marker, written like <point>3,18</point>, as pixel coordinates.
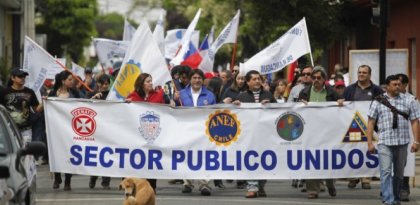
<point>255,94</point>
<point>319,92</point>
<point>392,112</point>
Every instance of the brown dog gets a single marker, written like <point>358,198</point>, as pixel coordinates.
<point>137,192</point>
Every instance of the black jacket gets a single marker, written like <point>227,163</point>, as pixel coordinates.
<point>351,89</point>
<point>248,96</point>
<point>305,94</point>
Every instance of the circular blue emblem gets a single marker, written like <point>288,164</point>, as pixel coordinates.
<point>290,126</point>
<point>223,127</point>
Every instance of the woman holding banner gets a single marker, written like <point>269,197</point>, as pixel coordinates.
<point>144,92</point>
<point>63,89</point>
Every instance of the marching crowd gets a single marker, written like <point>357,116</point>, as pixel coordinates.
<point>392,109</point>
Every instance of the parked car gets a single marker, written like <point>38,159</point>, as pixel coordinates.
<point>19,159</point>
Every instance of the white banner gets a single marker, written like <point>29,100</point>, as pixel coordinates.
<point>39,64</point>
<point>285,50</point>
<point>143,56</point>
<point>110,51</point>
<point>228,35</point>
<point>275,141</point>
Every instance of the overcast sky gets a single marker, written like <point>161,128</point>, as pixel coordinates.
<point>123,6</point>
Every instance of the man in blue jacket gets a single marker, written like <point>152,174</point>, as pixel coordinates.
<point>193,95</point>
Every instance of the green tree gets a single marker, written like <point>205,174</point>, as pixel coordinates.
<point>262,22</point>
<point>69,25</point>
<point>110,26</point>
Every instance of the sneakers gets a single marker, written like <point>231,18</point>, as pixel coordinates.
<point>404,195</point>
<point>352,184</point>
<point>106,186</point>
<point>332,192</point>
<point>176,181</point>
<point>261,193</point>
<point>312,196</point>
<point>220,186</point>
<point>67,187</point>
<point>92,183</point>
<point>57,183</point>
<point>366,186</point>
<point>251,194</point>
<point>205,191</point>
<point>187,188</point>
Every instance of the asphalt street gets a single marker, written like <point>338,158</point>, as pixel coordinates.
<point>278,191</point>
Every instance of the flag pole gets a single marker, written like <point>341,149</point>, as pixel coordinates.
<point>63,66</point>
<point>232,64</point>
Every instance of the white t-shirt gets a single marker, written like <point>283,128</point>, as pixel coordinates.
<point>195,96</point>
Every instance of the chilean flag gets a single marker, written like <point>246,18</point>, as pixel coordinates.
<point>205,45</point>
<point>192,57</point>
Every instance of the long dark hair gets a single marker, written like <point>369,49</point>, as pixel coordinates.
<point>138,85</point>
<point>59,79</point>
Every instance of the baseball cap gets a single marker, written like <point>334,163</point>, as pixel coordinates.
<point>339,83</point>
<point>18,72</point>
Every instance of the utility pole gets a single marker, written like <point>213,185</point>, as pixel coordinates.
<point>382,47</point>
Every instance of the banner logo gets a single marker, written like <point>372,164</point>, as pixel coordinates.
<point>124,83</point>
<point>149,126</point>
<point>83,122</point>
<point>290,126</point>
<point>223,127</point>
<point>357,131</point>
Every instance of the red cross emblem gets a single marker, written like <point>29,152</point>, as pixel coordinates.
<point>83,122</point>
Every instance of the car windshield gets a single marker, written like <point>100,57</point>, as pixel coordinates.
<point>4,138</point>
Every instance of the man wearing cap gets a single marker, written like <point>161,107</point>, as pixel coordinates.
<point>339,87</point>
<point>362,90</point>
<point>19,100</point>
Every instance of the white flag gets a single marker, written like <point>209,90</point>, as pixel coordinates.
<point>143,56</point>
<point>186,40</point>
<point>285,50</point>
<point>78,70</point>
<point>228,35</point>
<point>129,31</point>
<point>210,39</point>
<point>173,40</point>
<point>159,33</point>
<point>36,62</point>
<point>110,51</point>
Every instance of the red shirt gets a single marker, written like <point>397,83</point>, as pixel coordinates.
<point>154,97</point>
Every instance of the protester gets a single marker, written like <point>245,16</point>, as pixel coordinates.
<point>305,82</point>
<point>20,101</point>
<point>63,88</point>
<point>144,92</point>
<point>393,113</point>
<point>319,92</point>
<point>405,189</point>
<point>227,79</point>
<point>103,83</point>
<point>89,80</point>
<point>362,90</point>
<point>339,87</point>
<point>193,95</point>
<point>215,86</point>
<point>235,89</point>
<point>278,90</point>
<point>255,94</point>
<point>182,81</point>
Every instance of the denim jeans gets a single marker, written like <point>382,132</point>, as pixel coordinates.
<point>392,158</point>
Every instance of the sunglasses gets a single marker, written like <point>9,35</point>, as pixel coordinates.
<point>235,71</point>
<point>306,74</point>
<point>316,78</point>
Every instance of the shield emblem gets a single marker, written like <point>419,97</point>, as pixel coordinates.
<point>149,126</point>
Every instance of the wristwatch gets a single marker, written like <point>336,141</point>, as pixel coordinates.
<point>416,142</point>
